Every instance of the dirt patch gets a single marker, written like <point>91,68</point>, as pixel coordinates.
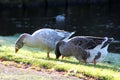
<point>8,71</point>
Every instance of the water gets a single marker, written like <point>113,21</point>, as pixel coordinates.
<point>92,20</point>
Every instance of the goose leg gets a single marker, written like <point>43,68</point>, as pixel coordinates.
<point>85,61</point>
<point>48,56</point>
<point>94,62</point>
<point>97,57</point>
<point>62,56</point>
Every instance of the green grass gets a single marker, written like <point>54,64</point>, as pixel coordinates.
<point>35,57</point>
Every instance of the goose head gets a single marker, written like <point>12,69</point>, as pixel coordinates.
<point>19,43</point>
<point>57,50</point>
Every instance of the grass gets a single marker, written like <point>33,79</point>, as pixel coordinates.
<point>35,57</point>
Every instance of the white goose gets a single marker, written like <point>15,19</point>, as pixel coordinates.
<point>45,39</point>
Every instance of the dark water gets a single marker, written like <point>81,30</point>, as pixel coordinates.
<point>93,20</point>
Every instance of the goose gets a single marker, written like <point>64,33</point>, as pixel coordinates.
<point>73,47</point>
<point>84,48</point>
<point>44,39</point>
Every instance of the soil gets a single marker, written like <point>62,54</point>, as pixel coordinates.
<point>11,72</point>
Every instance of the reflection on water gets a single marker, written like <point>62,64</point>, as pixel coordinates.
<point>95,20</point>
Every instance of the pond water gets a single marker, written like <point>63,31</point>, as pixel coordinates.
<point>92,20</point>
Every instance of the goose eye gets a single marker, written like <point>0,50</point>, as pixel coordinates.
<point>20,45</point>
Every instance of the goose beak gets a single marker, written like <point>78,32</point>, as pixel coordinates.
<point>16,50</point>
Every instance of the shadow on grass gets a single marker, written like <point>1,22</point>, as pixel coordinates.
<point>65,61</point>
<point>105,66</point>
<point>101,66</point>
